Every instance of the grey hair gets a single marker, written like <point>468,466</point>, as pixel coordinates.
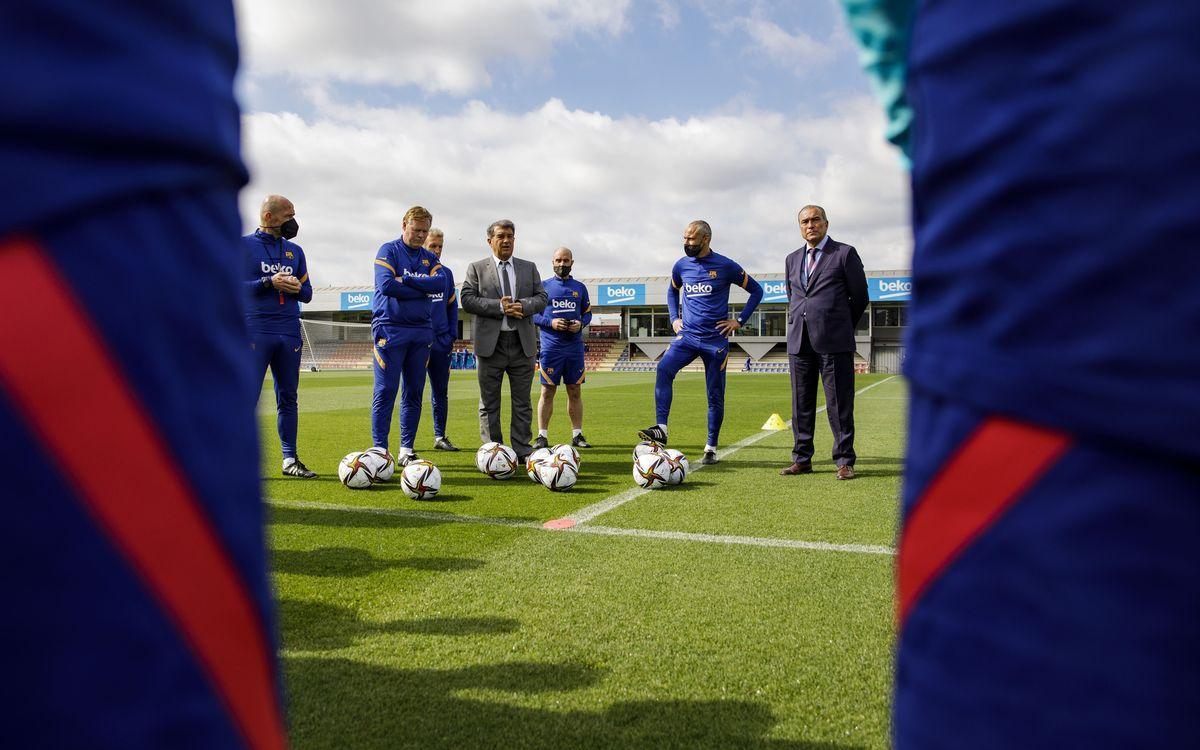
<point>703,226</point>
<point>823,216</point>
<point>435,232</point>
<point>500,224</point>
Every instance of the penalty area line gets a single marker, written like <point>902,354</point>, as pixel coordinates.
<point>684,536</point>
<point>590,512</point>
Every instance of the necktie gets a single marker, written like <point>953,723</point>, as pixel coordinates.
<point>505,284</point>
<point>808,268</point>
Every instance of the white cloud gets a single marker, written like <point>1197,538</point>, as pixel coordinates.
<point>798,52</point>
<point>617,190</point>
<point>438,45</point>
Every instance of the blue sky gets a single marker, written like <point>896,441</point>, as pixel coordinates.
<point>564,115</point>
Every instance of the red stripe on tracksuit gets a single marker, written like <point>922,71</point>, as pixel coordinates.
<point>55,366</point>
<point>989,472</point>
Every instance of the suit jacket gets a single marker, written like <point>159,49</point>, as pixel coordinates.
<point>480,295</point>
<point>830,306</point>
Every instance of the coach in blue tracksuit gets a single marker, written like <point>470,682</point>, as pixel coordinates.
<point>443,315</point>
<point>278,283</point>
<point>406,274</point>
<point>703,328</point>
<point>562,322</point>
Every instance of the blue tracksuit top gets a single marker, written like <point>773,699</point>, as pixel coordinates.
<point>567,300</point>
<point>405,277</point>
<point>443,313</point>
<point>704,283</point>
<point>269,310</point>
<point>1027,300</point>
<point>141,88</point>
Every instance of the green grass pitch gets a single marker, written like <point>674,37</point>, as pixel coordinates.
<point>460,622</point>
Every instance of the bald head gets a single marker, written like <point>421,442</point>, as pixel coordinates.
<point>564,260</point>
<point>275,212</point>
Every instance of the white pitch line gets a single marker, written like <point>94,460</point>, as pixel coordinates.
<point>754,541</point>
<point>751,541</point>
<point>586,514</point>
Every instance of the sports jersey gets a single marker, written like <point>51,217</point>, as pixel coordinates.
<point>704,283</point>
<point>1040,289</point>
<point>443,313</point>
<point>405,277</point>
<point>567,300</point>
<point>146,614</point>
<point>110,85</point>
<point>1046,578</point>
<point>269,310</point>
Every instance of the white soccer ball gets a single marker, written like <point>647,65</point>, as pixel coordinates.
<point>496,460</point>
<point>380,463</point>
<point>420,479</point>
<point>645,447</point>
<point>535,458</point>
<point>678,464</point>
<point>651,471</point>
<point>353,472</point>
<point>557,473</point>
<point>567,452</point>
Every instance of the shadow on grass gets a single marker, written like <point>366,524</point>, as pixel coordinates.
<point>370,517</point>
<point>316,626</point>
<point>346,562</point>
<point>341,703</point>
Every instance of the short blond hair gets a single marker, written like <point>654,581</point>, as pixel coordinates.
<point>435,232</point>
<point>417,213</point>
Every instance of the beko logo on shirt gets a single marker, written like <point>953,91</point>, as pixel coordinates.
<point>698,288</point>
<point>274,267</point>
<point>439,297</point>
<point>567,305</point>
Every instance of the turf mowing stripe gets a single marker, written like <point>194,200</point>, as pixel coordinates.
<point>751,541</point>
<point>590,512</point>
<point>427,515</point>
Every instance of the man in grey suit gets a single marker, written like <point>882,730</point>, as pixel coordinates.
<point>504,293</point>
<point>827,294</point>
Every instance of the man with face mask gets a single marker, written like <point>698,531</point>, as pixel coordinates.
<point>703,329</point>
<point>278,283</point>
<point>562,324</point>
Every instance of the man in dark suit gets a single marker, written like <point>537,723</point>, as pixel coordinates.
<point>504,293</point>
<point>827,294</point>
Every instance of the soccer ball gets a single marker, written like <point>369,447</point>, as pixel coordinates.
<point>380,463</point>
<point>354,472</point>
<point>645,447</point>
<point>557,473</point>
<point>678,464</point>
<point>420,479</point>
<point>496,460</point>
<point>651,471</point>
<point>535,458</point>
<point>567,452</point>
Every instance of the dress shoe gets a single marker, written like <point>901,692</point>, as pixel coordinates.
<point>845,472</point>
<point>794,469</point>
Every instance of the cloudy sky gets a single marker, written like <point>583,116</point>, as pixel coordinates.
<point>602,125</point>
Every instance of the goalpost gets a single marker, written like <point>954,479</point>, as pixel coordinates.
<point>335,346</point>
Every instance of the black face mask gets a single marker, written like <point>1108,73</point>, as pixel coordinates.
<point>562,271</point>
<point>693,250</point>
<point>288,229</point>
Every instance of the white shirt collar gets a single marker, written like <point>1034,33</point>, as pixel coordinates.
<point>496,261</point>
<point>820,245</point>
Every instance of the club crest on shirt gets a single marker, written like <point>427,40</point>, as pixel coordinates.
<point>549,370</point>
<point>381,343</point>
<point>574,294</point>
<point>425,262</point>
<point>288,253</point>
<point>712,274</point>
